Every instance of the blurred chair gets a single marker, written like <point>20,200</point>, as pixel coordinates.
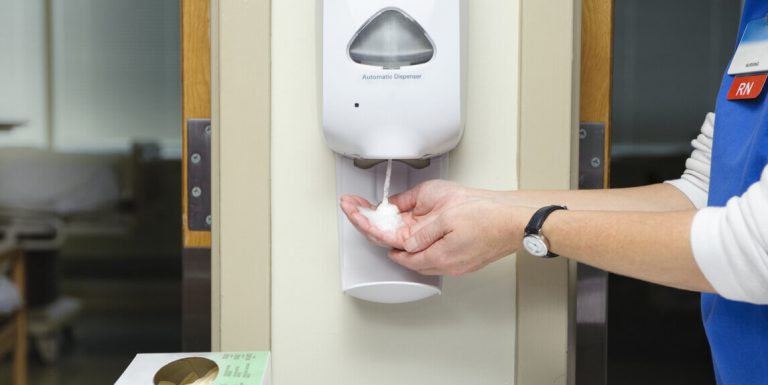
<point>13,323</point>
<point>47,198</point>
<point>42,195</point>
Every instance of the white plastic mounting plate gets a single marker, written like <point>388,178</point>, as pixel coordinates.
<point>392,292</point>
<point>366,271</point>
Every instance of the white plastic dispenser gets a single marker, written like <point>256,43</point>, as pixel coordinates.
<point>393,88</point>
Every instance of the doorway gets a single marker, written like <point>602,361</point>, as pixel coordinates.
<point>90,177</point>
<point>669,57</point>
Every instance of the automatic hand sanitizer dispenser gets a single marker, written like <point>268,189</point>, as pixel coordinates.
<point>393,88</point>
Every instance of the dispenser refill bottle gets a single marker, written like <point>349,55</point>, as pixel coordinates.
<point>393,88</point>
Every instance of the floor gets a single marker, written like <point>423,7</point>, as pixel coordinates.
<point>120,318</point>
<point>127,276</point>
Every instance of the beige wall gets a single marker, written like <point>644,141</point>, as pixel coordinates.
<point>240,201</point>
<point>505,325</point>
<point>321,336</point>
<point>549,94</point>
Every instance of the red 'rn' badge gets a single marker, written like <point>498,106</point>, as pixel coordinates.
<point>747,87</point>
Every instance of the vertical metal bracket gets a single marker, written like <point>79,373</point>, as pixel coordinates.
<point>591,155</point>
<point>199,174</point>
<point>592,283</point>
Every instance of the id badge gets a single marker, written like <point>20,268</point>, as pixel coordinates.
<point>750,62</point>
<point>752,54</point>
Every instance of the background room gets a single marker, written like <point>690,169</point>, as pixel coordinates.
<point>669,57</point>
<point>89,181</point>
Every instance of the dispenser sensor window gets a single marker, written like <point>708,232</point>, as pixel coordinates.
<point>391,39</point>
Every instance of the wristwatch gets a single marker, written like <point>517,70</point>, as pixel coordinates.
<point>533,240</point>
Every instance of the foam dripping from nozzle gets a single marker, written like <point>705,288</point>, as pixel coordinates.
<point>386,181</point>
<point>386,217</point>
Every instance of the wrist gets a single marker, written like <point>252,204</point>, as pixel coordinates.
<point>518,219</point>
<point>537,238</point>
<point>485,194</point>
<point>550,225</point>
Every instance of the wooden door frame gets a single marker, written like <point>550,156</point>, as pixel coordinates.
<point>195,96</point>
<point>196,104</point>
<point>591,345</point>
<point>597,70</point>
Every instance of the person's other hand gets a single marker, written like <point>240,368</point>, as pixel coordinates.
<point>449,229</point>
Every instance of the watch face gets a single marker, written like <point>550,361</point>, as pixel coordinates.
<point>535,245</point>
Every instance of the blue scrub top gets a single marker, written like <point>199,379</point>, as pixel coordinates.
<point>738,331</point>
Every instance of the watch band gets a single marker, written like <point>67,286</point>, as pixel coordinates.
<point>537,222</point>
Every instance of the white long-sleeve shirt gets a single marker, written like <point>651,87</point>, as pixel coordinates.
<point>730,244</point>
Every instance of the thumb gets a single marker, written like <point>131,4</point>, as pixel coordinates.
<point>406,200</point>
<point>425,236</point>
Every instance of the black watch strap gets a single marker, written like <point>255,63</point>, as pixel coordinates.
<point>537,221</point>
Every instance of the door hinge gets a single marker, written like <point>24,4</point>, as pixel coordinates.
<point>199,174</point>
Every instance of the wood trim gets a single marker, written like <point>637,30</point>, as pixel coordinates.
<point>20,355</point>
<point>195,95</point>
<point>8,335</point>
<point>597,69</point>
<point>241,188</point>
<point>215,191</point>
<point>548,121</point>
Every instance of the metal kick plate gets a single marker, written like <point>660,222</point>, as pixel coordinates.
<point>199,174</point>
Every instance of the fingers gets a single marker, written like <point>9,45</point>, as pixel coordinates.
<point>423,198</point>
<point>426,235</point>
<point>356,201</point>
<point>351,205</point>
<point>436,260</point>
<point>406,200</point>
<point>425,262</point>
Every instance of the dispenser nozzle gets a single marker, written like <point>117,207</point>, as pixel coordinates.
<point>414,163</point>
